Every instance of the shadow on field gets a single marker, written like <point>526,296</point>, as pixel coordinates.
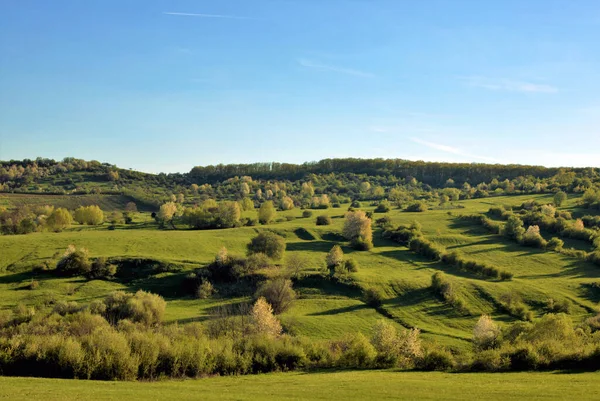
<point>337,311</point>
<point>313,246</point>
<point>323,286</point>
<point>304,234</point>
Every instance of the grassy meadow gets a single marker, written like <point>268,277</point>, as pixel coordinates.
<point>323,310</point>
<point>345,385</point>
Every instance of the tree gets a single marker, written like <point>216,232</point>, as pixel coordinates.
<point>264,320</point>
<point>514,228</point>
<point>278,292</point>
<point>268,243</point>
<point>485,333</point>
<point>166,212</point>
<point>266,213</point>
<point>74,262</point>
<point>357,229</point>
<point>90,215</point>
<point>228,214</point>
<point>59,219</point>
<point>295,264</point>
<point>287,203</point>
<point>559,198</point>
<point>335,257</point>
<point>247,204</point>
<point>130,211</point>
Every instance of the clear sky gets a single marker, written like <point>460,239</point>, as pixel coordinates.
<point>160,85</point>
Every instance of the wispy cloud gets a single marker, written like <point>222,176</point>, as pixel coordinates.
<point>453,150</point>
<point>206,15</point>
<point>326,67</point>
<point>508,85</point>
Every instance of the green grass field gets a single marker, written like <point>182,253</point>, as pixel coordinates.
<point>323,311</point>
<point>355,385</point>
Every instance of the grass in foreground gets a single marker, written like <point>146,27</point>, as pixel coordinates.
<point>350,385</point>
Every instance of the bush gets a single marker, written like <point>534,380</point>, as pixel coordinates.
<point>143,307</point>
<point>555,244</point>
<point>205,290</point>
<point>351,265</point>
<point>323,220</point>
<point>268,243</point>
<point>101,269</point>
<point>383,207</point>
<point>307,213</point>
<point>490,360</point>
<point>417,207</point>
<point>279,293</point>
<point>373,297</point>
<point>355,204</point>
<point>74,262</point>
<point>357,352</point>
<point>436,359</point>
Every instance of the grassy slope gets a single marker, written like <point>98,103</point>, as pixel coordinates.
<point>106,202</point>
<point>323,310</point>
<point>357,385</point>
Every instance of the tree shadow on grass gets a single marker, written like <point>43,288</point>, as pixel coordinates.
<point>325,286</point>
<point>313,246</point>
<point>337,311</point>
<point>304,234</point>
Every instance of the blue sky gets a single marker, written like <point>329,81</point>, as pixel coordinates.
<point>167,85</point>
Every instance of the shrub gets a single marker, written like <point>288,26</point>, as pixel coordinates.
<point>436,359</point>
<point>357,352</point>
<point>417,207</point>
<point>490,360</point>
<point>205,290</point>
<point>563,306</point>
<point>351,265</point>
<point>555,244</point>
<point>143,307</point>
<point>74,262</point>
<point>101,269</point>
<point>533,238</point>
<point>383,207</point>
<point>355,204</point>
<point>255,262</point>
<point>263,319</point>
<point>268,243</point>
<point>373,297</point>
<point>335,257</point>
<point>307,213</point>
<point>279,293</point>
<point>266,213</point>
<point>323,220</point>
<point>559,198</point>
<point>486,333</point>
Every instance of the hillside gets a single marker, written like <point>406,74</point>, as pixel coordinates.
<point>457,234</point>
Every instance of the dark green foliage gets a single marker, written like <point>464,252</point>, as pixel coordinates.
<point>323,220</point>
<point>351,265</point>
<point>278,292</point>
<point>74,263</point>
<point>268,243</point>
<point>355,204</point>
<point>360,244</point>
<point>101,269</point>
<point>373,297</point>
<point>437,359</point>
<point>447,290</point>
<point>142,307</point>
<point>417,207</point>
<point>383,207</point>
<point>307,213</point>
